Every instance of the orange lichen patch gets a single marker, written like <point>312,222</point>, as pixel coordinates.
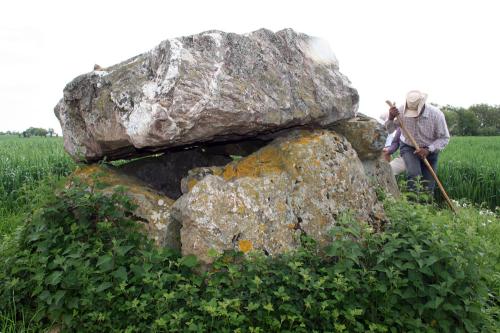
<point>96,173</point>
<point>316,163</point>
<point>307,138</point>
<point>88,170</point>
<point>191,183</point>
<point>291,226</point>
<point>267,160</point>
<point>245,245</point>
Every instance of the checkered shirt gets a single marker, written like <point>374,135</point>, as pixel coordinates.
<point>429,128</point>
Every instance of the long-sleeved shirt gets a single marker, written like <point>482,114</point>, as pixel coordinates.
<point>429,129</point>
<point>395,142</point>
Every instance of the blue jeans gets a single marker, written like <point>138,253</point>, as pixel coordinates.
<point>415,167</point>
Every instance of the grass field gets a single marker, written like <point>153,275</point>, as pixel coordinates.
<point>469,168</point>
<point>26,164</point>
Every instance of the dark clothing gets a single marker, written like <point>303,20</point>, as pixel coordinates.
<point>415,167</point>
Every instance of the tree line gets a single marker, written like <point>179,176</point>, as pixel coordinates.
<point>477,120</point>
<point>32,131</point>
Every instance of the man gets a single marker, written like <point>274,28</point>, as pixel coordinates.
<point>427,125</point>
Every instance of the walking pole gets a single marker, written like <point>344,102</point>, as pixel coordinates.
<point>426,162</point>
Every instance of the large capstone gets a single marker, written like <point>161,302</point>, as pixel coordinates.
<point>301,182</point>
<point>213,86</point>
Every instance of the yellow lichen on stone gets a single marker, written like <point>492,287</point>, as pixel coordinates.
<point>307,138</point>
<point>245,245</point>
<point>241,209</point>
<point>265,161</point>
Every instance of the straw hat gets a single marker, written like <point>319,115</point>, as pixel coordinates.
<point>415,101</point>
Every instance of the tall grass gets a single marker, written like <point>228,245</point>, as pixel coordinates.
<point>470,168</point>
<point>26,165</point>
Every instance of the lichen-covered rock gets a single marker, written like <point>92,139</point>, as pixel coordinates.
<point>380,175</point>
<point>195,175</point>
<point>213,86</point>
<point>366,135</point>
<point>301,182</point>
<point>153,209</point>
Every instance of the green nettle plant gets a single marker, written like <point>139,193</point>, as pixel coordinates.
<point>81,264</point>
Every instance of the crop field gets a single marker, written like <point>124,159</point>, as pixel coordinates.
<point>469,168</point>
<point>24,164</point>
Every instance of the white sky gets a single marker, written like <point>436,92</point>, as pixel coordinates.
<point>449,49</point>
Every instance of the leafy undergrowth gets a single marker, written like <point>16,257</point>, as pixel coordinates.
<point>80,265</point>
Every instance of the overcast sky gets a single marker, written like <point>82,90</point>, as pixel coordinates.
<point>449,49</point>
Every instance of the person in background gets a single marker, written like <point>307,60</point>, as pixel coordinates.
<point>397,164</point>
<point>391,147</point>
<point>427,125</point>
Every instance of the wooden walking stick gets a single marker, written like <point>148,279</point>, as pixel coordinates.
<point>426,162</point>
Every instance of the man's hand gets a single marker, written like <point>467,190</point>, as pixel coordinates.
<point>386,155</point>
<point>422,153</point>
<point>393,112</point>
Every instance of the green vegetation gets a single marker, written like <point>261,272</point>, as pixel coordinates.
<point>80,265</point>
<point>36,131</point>
<point>479,119</point>
<point>25,165</point>
<point>469,168</point>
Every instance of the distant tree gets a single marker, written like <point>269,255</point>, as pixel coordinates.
<point>468,124</point>
<point>488,117</point>
<point>51,132</point>
<point>34,131</point>
<point>451,115</point>
<point>479,119</point>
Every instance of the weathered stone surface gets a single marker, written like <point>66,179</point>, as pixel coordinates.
<point>380,175</point>
<point>366,135</point>
<point>300,182</point>
<point>153,209</point>
<point>195,175</point>
<point>213,86</point>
